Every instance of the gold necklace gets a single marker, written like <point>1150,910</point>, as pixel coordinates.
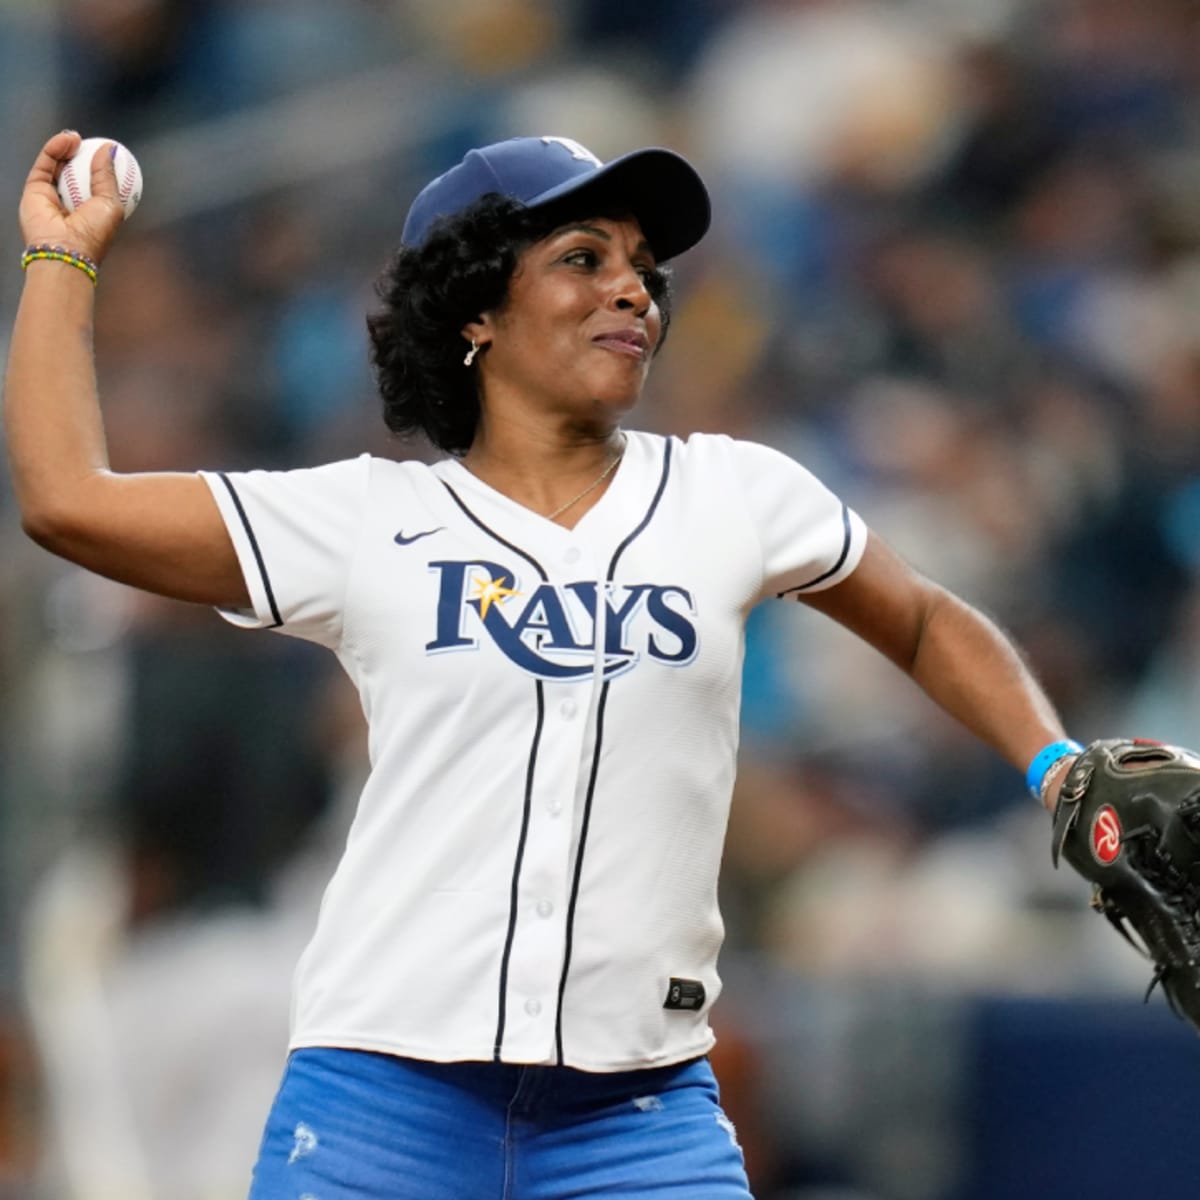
<point>591,487</point>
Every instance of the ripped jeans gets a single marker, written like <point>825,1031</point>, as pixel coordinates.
<point>352,1125</point>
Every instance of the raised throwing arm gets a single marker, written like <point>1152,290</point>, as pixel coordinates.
<point>157,531</point>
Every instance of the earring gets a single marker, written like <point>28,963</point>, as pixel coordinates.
<point>474,350</point>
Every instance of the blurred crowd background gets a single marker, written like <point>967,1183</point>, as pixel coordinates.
<point>954,269</point>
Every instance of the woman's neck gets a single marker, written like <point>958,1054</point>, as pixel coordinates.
<point>557,472</point>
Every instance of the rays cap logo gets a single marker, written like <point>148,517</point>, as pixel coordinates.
<point>659,187</point>
<point>1106,835</point>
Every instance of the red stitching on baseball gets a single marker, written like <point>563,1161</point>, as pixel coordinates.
<point>72,185</point>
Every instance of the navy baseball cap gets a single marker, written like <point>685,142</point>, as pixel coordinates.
<point>659,187</point>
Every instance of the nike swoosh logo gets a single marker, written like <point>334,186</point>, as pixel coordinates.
<point>401,540</point>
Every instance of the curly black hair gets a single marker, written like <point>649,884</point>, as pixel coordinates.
<point>429,292</point>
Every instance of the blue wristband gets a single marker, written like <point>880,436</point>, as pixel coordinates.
<point>1044,760</point>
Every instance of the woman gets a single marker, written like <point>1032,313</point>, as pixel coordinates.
<point>507,991</point>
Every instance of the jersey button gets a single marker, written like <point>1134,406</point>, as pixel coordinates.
<point>533,1007</point>
<point>544,908</point>
<point>571,556</point>
<point>554,807</point>
<point>568,708</point>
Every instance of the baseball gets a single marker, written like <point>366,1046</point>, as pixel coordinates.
<point>75,178</point>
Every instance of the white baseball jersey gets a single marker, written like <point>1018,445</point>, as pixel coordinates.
<point>531,875</point>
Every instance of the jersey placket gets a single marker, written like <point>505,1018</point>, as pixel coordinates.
<point>543,889</point>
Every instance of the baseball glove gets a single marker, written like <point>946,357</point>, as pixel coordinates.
<point>1128,820</point>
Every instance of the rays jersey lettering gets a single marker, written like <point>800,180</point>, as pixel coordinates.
<point>549,629</point>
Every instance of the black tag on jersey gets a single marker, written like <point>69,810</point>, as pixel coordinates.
<point>685,993</point>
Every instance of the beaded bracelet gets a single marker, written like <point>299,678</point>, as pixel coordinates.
<point>1044,760</point>
<point>60,254</point>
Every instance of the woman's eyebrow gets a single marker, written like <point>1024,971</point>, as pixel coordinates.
<point>583,227</point>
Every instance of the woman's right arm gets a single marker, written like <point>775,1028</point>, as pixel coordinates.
<point>161,532</point>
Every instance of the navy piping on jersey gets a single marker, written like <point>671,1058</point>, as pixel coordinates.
<point>837,566</point>
<point>276,619</point>
<point>595,769</point>
<point>539,693</point>
<point>502,1007</point>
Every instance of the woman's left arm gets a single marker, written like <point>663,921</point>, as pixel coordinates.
<point>958,656</point>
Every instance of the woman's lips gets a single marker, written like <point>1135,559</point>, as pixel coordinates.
<point>629,342</point>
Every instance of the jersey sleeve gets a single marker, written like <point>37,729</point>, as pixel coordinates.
<point>810,538</point>
<point>295,534</point>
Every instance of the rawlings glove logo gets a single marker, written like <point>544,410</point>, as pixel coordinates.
<point>1106,835</point>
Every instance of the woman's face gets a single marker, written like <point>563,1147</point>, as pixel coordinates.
<point>578,328</point>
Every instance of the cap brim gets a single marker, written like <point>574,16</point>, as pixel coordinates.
<point>659,187</point>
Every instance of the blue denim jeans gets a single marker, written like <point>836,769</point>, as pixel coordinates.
<point>350,1125</point>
